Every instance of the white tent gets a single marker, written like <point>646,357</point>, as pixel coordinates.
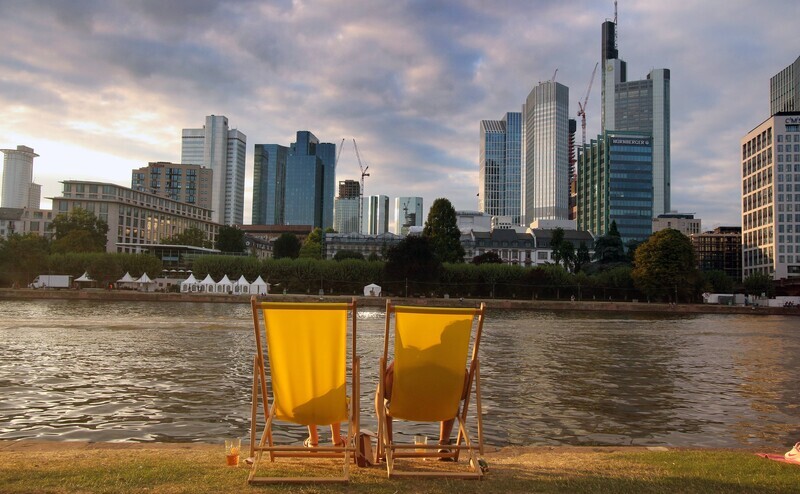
<point>372,290</point>
<point>145,283</point>
<point>189,284</point>
<point>259,287</point>
<point>84,277</point>
<point>242,286</point>
<point>127,281</point>
<point>208,284</point>
<point>225,285</point>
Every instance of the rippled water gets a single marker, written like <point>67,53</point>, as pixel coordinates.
<point>126,371</point>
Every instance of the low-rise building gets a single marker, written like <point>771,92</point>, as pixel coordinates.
<point>25,220</point>
<point>685,223</point>
<point>358,242</point>
<point>720,250</point>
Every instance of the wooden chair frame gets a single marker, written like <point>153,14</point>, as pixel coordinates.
<point>261,395</point>
<point>388,450</point>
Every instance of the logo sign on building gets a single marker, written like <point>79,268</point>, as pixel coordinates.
<point>630,141</point>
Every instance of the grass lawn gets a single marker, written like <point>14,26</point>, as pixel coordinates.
<point>173,468</point>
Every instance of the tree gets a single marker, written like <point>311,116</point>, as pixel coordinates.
<point>79,231</point>
<point>412,260</point>
<point>717,281</point>
<point>442,231</point>
<point>555,244</point>
<point>287,245</point>
<point>758,283</point>
<point>312,247</point>
<point>230,239</point>
<point>348,254</point>
<point>22,257</point>
<point>665,266</point>
<point>490,257</point>
<point>582,257</point>
<point>609,247</point>
<point>191,236</point>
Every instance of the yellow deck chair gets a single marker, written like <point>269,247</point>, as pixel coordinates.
<point>307,355</point>
<point>431,346</point>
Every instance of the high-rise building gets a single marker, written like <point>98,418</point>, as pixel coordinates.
<point>720,250</point>
<point>546,153</point>
<point>784,89</point>
<point>269,176</point>
<point>295,185</point>
<point>223,150</point>
<point>771,197</point>
<point>615,185</point>
<point>407,213</point>
<point>346,209</point>
<point>177,181</point>
<point>500,168</point>
<point>376,215</point>
<point>638,106</point>
<point>19,191</point>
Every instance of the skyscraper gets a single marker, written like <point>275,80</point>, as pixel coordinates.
<point>500,168</point>
<point>178,181</point>
<point>784,89</point>
<point>376,215</point>
<point>223,150</point>
<point>19,191</point>
<point>615,185</point>
<point>638,106</point>
<point>345,209</point>
<point>269,176</point>
<point>294,185</point>
<point>546,152</point>
<point>407,213</point>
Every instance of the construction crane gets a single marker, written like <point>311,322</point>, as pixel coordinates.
<point>582,106</point>
<point>338,153</point>
<point>361,190</point>
<point>554,75</point>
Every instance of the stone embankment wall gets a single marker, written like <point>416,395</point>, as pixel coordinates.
<point>555,305</point>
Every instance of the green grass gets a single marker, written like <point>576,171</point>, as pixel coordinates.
<point>177,469</point>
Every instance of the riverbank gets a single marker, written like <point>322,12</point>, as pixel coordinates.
<point>60,467</point>
<point>553,305</point>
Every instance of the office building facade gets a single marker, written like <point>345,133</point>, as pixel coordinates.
<point>346,207</point>
<point>685,223</point>
<point>295,185</point>
<point>177,181</point>
<point>546,153</point>
<point>375,219</point>
<point>269,176</point>
<point>720,250</point>
<point>134,218</point>
<point>638,106</point>
<point>615,184</point>
<point>770,155</point>
<point>500,167</point>
<point>784,89</point>
<point>223,150</point>
<point>18,188</point>
<point>407,213</point>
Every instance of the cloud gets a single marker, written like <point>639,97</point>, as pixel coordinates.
<point>117,80</point>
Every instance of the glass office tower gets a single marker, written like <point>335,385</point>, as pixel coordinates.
<point>784,88</point>
<point>500,167</point>
<point>269,176</point>
<point>615,183</point>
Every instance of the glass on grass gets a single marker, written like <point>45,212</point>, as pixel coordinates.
<point>232,449</point>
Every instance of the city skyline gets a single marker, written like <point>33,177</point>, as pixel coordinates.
<point>101,89</point>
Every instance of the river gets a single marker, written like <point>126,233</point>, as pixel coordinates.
<point>181,372</point>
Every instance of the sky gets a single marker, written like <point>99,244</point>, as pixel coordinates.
<point>100,87</point>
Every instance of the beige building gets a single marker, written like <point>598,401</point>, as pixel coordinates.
<point>25,220</point>
<point>684,223</point>
<point>134,217</point>
<point>177,181</point>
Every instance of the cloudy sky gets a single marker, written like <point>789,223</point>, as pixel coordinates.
<point>99,87</point>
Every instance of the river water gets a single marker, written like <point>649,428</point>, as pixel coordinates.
<point>181,372</point>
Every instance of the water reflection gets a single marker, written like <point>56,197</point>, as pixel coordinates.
<point>79,370</point>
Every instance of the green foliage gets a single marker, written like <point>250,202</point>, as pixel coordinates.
<point>758,283</point>
<point>665,266</point>
<point>582,257</point>
<point>373,257</point>
<point>412,259</point>
<point>717,282</point>
<point>287,245</point>
<point>193,236</point>
<point>490,257</point>
<point>312,247</point>
<point>609,249</point>
<point>78,231</point>
<point>230,239</point>
<point>441,229</point>
<point>348,254</point>
<point>22,258</point>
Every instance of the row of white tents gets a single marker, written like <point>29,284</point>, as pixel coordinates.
<point>225,285</point>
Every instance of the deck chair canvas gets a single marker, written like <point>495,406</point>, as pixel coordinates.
<point>306,355</point>
<point>431,350</point>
